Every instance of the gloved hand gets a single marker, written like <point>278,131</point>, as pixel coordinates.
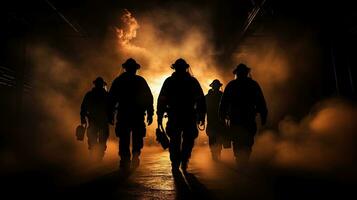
<point>83,121</point>
<point>149,119</point>
<point>201,119</point>
<point>201,122</point>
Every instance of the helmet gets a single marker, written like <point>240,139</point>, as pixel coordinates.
<point>241,68</point>
<point>180,63</point>
<point>215,84</point>
<point>99,81</point>
<point>130,63</point>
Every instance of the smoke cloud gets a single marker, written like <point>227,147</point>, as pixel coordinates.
<point>60,80</point>
<point>323,141</point>
<point>160,37</point>
<point>288,70</point>
<point>156,39</point>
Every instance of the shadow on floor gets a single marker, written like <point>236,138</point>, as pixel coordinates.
<point>187,186</point>
<point>119,184</point>
<point>114,184</point>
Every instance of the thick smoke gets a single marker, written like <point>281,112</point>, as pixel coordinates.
<point>156,39</point>
<point>58,92</point>
<point>324,140</point>
<point>310,135</point>
<point>288,71</point>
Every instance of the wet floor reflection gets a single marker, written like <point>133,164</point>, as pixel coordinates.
<point>155,180</point>
<point>154,176</point>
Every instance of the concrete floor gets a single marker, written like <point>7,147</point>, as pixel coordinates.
<point>154,180</point>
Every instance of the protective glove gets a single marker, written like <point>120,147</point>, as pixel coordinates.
<point>83,121</point>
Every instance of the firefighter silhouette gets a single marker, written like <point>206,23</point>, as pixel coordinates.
<point>242,100</point>
<point>182,99</point>
<point>215,127</point>
<point>131,99</point>
<point>94,112</point>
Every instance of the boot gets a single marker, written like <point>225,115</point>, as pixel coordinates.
<point>215,157</point>
<point>135,162</point>
<point>124,165</point>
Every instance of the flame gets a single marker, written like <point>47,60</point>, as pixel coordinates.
<point>128,32</point>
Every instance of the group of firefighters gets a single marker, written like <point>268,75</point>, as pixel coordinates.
<point>231,115</point>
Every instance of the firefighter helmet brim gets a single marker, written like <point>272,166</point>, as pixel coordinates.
<point>241,68</point>
<point>215,83</point>
<point>130,63</point>
<point>99,80</point>
<point>180,63</point>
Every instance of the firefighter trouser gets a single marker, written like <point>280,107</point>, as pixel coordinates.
<point>216,138</point>
<point>137,131</point>
<point>182,139</point>
<point>97,137</point>
<point>243,140</point>
<point>215,143</point>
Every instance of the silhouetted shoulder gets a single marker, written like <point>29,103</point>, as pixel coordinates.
<point>231,83</point>
<point>195,80</point>
<point>168,80</point>
<point>89,93</point>
<point>209,92</point>
<point>248,81</point>
<point>125,77</point>
<point>140,78</point>
<point>117,79</point>
<point>253,83</point>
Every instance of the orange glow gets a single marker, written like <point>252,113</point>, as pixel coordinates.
<point>63,84</point>
<point>156,53</point>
